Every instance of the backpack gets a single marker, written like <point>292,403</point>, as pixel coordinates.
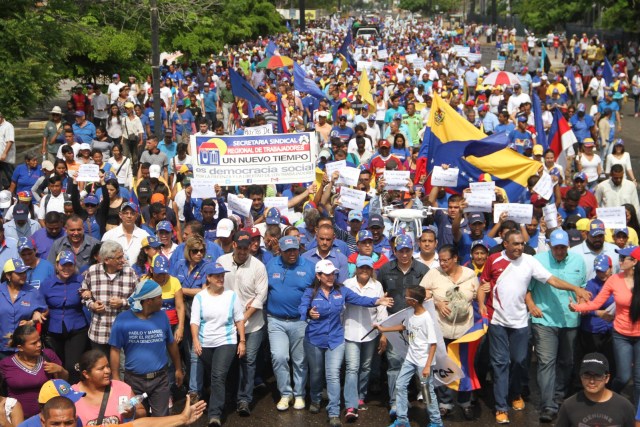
<point>458,305</point>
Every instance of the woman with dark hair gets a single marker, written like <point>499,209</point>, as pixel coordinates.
<point>399,147</point>
<point>115,203</point>
<point>26,174</point>
<point>619,156</point>
<point>102,142</point>
<point>29,368</point>
<point>150,248</point>
<point>121,166</point>
<point>95,381</point>
<point>321,306</point>
<point>114,123</point>
<point>68,325</point>
<point>632,217</point>
<point>625,288</point>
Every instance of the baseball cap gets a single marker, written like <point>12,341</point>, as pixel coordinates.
<point>20,212</point>
<point>150,241</point>
<point>326,267</point>
<point>376,220</point>
<point>129,205</point>
<point>116,76</point>
<point>364,261</point>
<point>588,141</point>
<point>128,105</point>
<point>476,217</point>
<point>632,251</point>
<point>580,175</point>
<point>479,243</point>
<point>5,199</point>
<point>164,226</point>
<point>323,113</point>
<point>602,263</point>
<point>224,228</point>
<point>213,268</point>
<point>618,142</point>
<point>160,264</point>
<point>596,228</point>
<point>25,196</point>
<point>242,239</point>
<point>108,176</point>
<point>67,199</point>
<point>516,86</point>
<point>364,235</point>
<point>522,118</point>
<point>180,103</point>
<point>272,216</point>
<point>559,237</point>
<point>154,171</point>
<point>583,224</point>
<point>55,388</point>
<point>397,116</point>
<point>538,150</point>
<point>157,198</point>
<point>355,216</point>
<point>404,241</point>
<point>15,264</point>
<point>26,243</point>
<point>91,200</point>
<point>582,107</point>
<point>79,113</point>
<point>594,363</point>
<point>372,117</point>
<point>66,257</point>
<point>253,231</point>
<point>384,143</point>
<point>289,242</point>
<point>624,230</point>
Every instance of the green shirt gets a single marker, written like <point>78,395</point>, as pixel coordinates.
<point>413,124</point>
<point>226,95</point>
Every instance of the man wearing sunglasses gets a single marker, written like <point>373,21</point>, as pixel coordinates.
<point>128,234</point>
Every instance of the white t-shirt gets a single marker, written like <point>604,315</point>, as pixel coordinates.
<point>421,336</point>
<point>358,321</point>
<point>216,317</point>
<point>511,287</point>
<point>113,91</point>
<point>50,204</point>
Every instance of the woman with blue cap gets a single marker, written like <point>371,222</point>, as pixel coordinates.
<point>68,324</point>
<point>217,320</point>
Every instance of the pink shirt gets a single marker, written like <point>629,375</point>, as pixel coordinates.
<point>89,413</point>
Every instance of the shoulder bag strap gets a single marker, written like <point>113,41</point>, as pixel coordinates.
<point>103,405</point>
<point>121,165</point>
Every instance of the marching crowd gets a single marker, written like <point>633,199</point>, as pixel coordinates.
<point>129,285</point>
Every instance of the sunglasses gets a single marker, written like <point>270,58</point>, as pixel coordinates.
<point>196,251</point>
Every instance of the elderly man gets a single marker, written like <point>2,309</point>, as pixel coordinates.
<point>288,276</point>
<point>74,240</point>
<point>145,335</point>
<point>617,190</point>
<point>128,234</point>
<point>21,225</point>
<point>83,128</point>
<point>554,325</point>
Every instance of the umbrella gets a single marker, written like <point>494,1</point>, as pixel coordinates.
<point>498,78</point>
<point>276,61</point>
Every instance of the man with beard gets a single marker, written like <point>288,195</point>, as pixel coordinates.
<point>593,246</point>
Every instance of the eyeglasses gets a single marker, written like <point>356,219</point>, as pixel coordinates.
<point>592,377</point>
<point>200,250</point>
<point>622,258</point>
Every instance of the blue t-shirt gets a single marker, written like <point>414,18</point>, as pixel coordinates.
<point>287,283</point>
<point>581,128</point>
<point>344,134</point>
<point>183,122</point>
<point>151,115</point>
<point>25,177</point>
<point>464,246</point>
<point>577,211</point>
<point>210,101</point>
<point>507,128</point>
<point>37,276</point>
<point>589,321</point>
<point>144,341</point>
<point>520,140</point>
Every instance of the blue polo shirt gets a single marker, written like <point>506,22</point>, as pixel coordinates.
<point>8,250</point>
<point>27,301</point>
<point>581,128</point>
<point>327,331</point>
<point>25,177</point>
<point>65,304</point>
<point>210,101</point>
<point>287,284</point>
<point>579,210</point>
<point>44,241</point>
<point>86,133</point>
<point>214,251</point>
<point>464,246</point>
<point>43,271</point>
<point>144,341</point>
<point>337,258</point>
<point>383,247</point>
<point>553,302</point>
<point>193,279</point>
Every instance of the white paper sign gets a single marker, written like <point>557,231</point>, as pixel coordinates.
<point>331,167</point>
<point>202,188</point>
<point>364,65</point>
<point>411,57</point>
<point>445,178</point>
<point>474,57</point>
<point>259,130</point>
<point>612,217</point>
<point>418,63</point>
<point>378,65</point>
<point>484,188</point>
<point>550,215</point>
<point>396,180</point>
<point>479,202</point>
<point>383,54</point>
<point>349,176</point>
<point>517,212</point>
<point>88,173</point>
<point>497,64</point>
<point>282,203</point>
<point>544,186</point>
<point>239,205</point>
<point>351,198</point>
<point>325,57</point>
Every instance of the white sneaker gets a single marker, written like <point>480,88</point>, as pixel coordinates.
<point>299,403</point>
<point>284,402</point>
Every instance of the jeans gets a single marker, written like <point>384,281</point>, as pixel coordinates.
<point>407,371</point>
<point>358,356</point>
<point>196,368</point>
<point>210,117</point>
<point>555,350</point>
<point>394,363</point>
<point>220,359</point>
<point>248,365</point>
<point>324,362</point>
<point>286,339</point>
<point>508,353</point>
<point>627,353</point>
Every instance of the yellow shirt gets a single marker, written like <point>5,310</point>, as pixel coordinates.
<point>633,236</point>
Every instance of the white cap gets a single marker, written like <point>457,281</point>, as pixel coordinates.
<point>322,114</point>
<point>56,110</point>
<point>84,146</point>
<point>154,171</point>
<point>224,228</point>
<point>5,199</point>
<point>326,267</point>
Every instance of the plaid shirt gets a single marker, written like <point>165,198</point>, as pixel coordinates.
<point>102,289</point>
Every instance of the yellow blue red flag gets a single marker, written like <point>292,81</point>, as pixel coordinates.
<point>463,352</point>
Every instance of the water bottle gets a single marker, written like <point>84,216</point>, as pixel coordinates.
<point>126,405</point>
<point>424,384</point>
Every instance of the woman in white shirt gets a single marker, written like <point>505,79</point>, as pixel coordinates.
<point>217,319</point>
<point>114,124</point>
<point>620,157</point>
<point>358,352</point>
<point>121,166</point>
<point>494,99</point>
<point>589,163</point>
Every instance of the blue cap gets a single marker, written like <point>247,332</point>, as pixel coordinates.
<point>580,175</point>
<point>364,235</point>
<point>364,261</point>
<point>626,251</point>
<point>624,230</point>
<point>164,226</point>
<point>129,205</point>
<point>211,235</point>
<point>479,243</point>
<point>376,220</point>
<point>404,241</point>
<point>213,268</point>
<point>289,242</point>
<point>596,228</point>
<point>20,212</point>
<point>476,217</point>
<point>397,116</point>
<point>559,237</point>
<point>150,241</point>
<point>180,103</point>
<point>26,243</point>
<point>355,215</point>
<point>15,264</point>
<point>108,176</point>
<point>160,264</point>
<point>372,117</point>
<point>91,200</point>
<point>522,118</point>
<point>272,216</point>
<point>66,257</point>
<point>602,263</point>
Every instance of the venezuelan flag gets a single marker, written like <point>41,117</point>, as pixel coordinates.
<point>463,352</point>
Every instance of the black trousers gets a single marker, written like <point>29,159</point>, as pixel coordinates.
<point>69,346</point>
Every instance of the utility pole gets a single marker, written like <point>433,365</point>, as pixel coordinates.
<point>155,69</point>
<point>303,21</point>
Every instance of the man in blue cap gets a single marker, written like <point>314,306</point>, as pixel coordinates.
<point>288,276</point>
<point>41,269</point>
<point>477,228</point>
<point>593,246</point>
<point>554,325</point>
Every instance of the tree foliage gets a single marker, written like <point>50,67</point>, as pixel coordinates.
<point>429,6</point>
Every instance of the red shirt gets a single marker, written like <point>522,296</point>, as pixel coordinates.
<point>491,272</point>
